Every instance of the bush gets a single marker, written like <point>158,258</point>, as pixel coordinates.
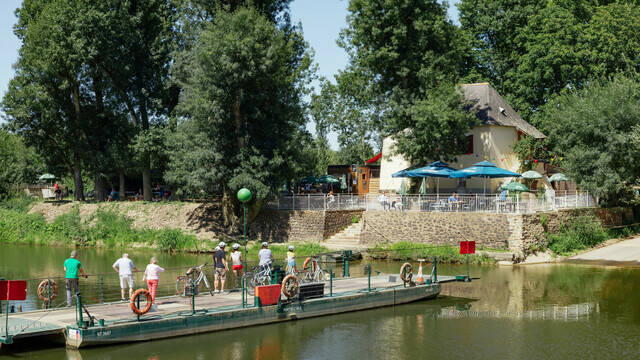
<point>354,220</point>
<point>18,202</point>
<point>174,240</point>
<point>584,232</point>
<point>406,250</point>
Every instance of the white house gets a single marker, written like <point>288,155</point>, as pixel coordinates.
<point>492,140</point>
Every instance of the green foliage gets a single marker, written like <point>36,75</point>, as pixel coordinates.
<point>529,149</point>
<point>19,164</point>
<point>105,228</point>
<point>18,202</point>
<point>436,127</point>
<point>354,219</point>
<point>534,50</point>
<point>584,232</point>
<point>404,250</point>
<point>243,98</point>
<point>402,56</point>
<point>594,130</point>
<point>544,220</point>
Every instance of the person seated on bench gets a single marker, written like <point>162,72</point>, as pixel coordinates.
<point>453,201</point>
<point>113,195</point>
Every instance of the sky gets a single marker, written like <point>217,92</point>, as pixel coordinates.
<point>321,23</point>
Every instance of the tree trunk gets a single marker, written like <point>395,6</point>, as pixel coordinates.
<point>122,189</point>
<point>230,219</point>
<point>147,192</point>
<point>237,116</point>
<point>77,179</point>
<point>100,187</point>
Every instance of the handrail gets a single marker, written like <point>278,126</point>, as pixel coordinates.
<point>378,231</point>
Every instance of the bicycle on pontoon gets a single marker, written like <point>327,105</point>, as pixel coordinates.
<point>258,276</point>
<point>194,276</point>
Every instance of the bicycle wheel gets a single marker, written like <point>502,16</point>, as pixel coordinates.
<point>250,278</point>
<point>206,283</point>
<point>181,283</point>
<point>321,275</point>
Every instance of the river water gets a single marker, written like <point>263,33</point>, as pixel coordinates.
<point>524,312</point>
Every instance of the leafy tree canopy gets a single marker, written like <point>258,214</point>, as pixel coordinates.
<point>597,136</point>
<point>244,94</point>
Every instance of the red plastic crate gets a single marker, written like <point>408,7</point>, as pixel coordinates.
<point>268,294</point>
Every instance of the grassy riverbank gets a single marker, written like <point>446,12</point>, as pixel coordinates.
<point>405,250</point>
<point>583,233</point>
<point>107,228</point>
<point>104,228</point>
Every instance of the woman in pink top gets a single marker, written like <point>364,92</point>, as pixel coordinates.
<point>151,274</point>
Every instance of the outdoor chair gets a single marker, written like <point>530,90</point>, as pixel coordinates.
<point>48,194</point>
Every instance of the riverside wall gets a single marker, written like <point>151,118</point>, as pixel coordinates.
<point>301,225</point>
<point>518,233</point>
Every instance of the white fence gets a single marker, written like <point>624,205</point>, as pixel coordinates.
<point>526,203</point>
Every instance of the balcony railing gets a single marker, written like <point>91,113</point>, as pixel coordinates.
<point>436,202</point>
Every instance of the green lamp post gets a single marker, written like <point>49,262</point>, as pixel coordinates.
<point>244,195</point>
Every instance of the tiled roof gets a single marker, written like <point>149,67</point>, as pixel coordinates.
<point>487,102</point>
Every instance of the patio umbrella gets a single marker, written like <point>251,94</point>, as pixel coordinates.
<point>309,180</point>
<point>531,175</point>
<point>484,169</point>
<point>46,177</point>
<point>329,179</point>
<point>343,182</point>
<point>400,174</point>
<point>423,187</point>
<point>436,169</point>
<point>403,188</point>
<point>514,186</point>
<point>558,177</point>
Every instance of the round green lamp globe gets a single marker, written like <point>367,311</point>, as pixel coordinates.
<point>244,195</point>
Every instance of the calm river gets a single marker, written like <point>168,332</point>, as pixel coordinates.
<point>528,312</point>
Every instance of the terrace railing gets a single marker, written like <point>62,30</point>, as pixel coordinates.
<point>437,202</point>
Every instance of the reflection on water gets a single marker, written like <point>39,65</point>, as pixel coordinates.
<point>529,312</point>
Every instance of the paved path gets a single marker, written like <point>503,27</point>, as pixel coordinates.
<point>625,252</point>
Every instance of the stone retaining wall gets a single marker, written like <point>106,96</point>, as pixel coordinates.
<point>487,229</point>
<point>300,225</point>
<point>519,233</point>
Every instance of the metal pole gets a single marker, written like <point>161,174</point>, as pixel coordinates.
<point>193,297</point>
<point>435,269</point>
<point>468,278</point>
<point>138,305</point>
<point>330,281</point>
<point>79,306</point>
<point>369,277</point>
<point>101,289</point>
<point>6,323</point>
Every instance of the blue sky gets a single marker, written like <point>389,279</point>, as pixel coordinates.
<point>321,21</point>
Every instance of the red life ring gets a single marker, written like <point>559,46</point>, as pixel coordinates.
<point>406,273</point>
<point>287,290</point>
<point>41,290</point>
<point>313,261</point>
<point>132,302</point>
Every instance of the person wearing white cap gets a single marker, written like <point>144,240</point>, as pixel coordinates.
<point>291,260</point>
<point>221,268</point>
<point>265,255</point>
<point>236,263</point>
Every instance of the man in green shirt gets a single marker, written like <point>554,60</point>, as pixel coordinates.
<point>72,266</point>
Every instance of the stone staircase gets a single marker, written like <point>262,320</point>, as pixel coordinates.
<point>374,185</point>
<point>347,239</point>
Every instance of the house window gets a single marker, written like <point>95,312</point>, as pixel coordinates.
<point>469,144</point>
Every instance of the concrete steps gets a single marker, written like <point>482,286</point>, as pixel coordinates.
<point>347,239</point>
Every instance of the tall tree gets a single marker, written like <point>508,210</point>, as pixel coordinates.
<point>595,129</point>
<point>132,46</point>
<point>407,51</point>
<point>49,101</point>
<point>533,51</point>
<point>245,93</point>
